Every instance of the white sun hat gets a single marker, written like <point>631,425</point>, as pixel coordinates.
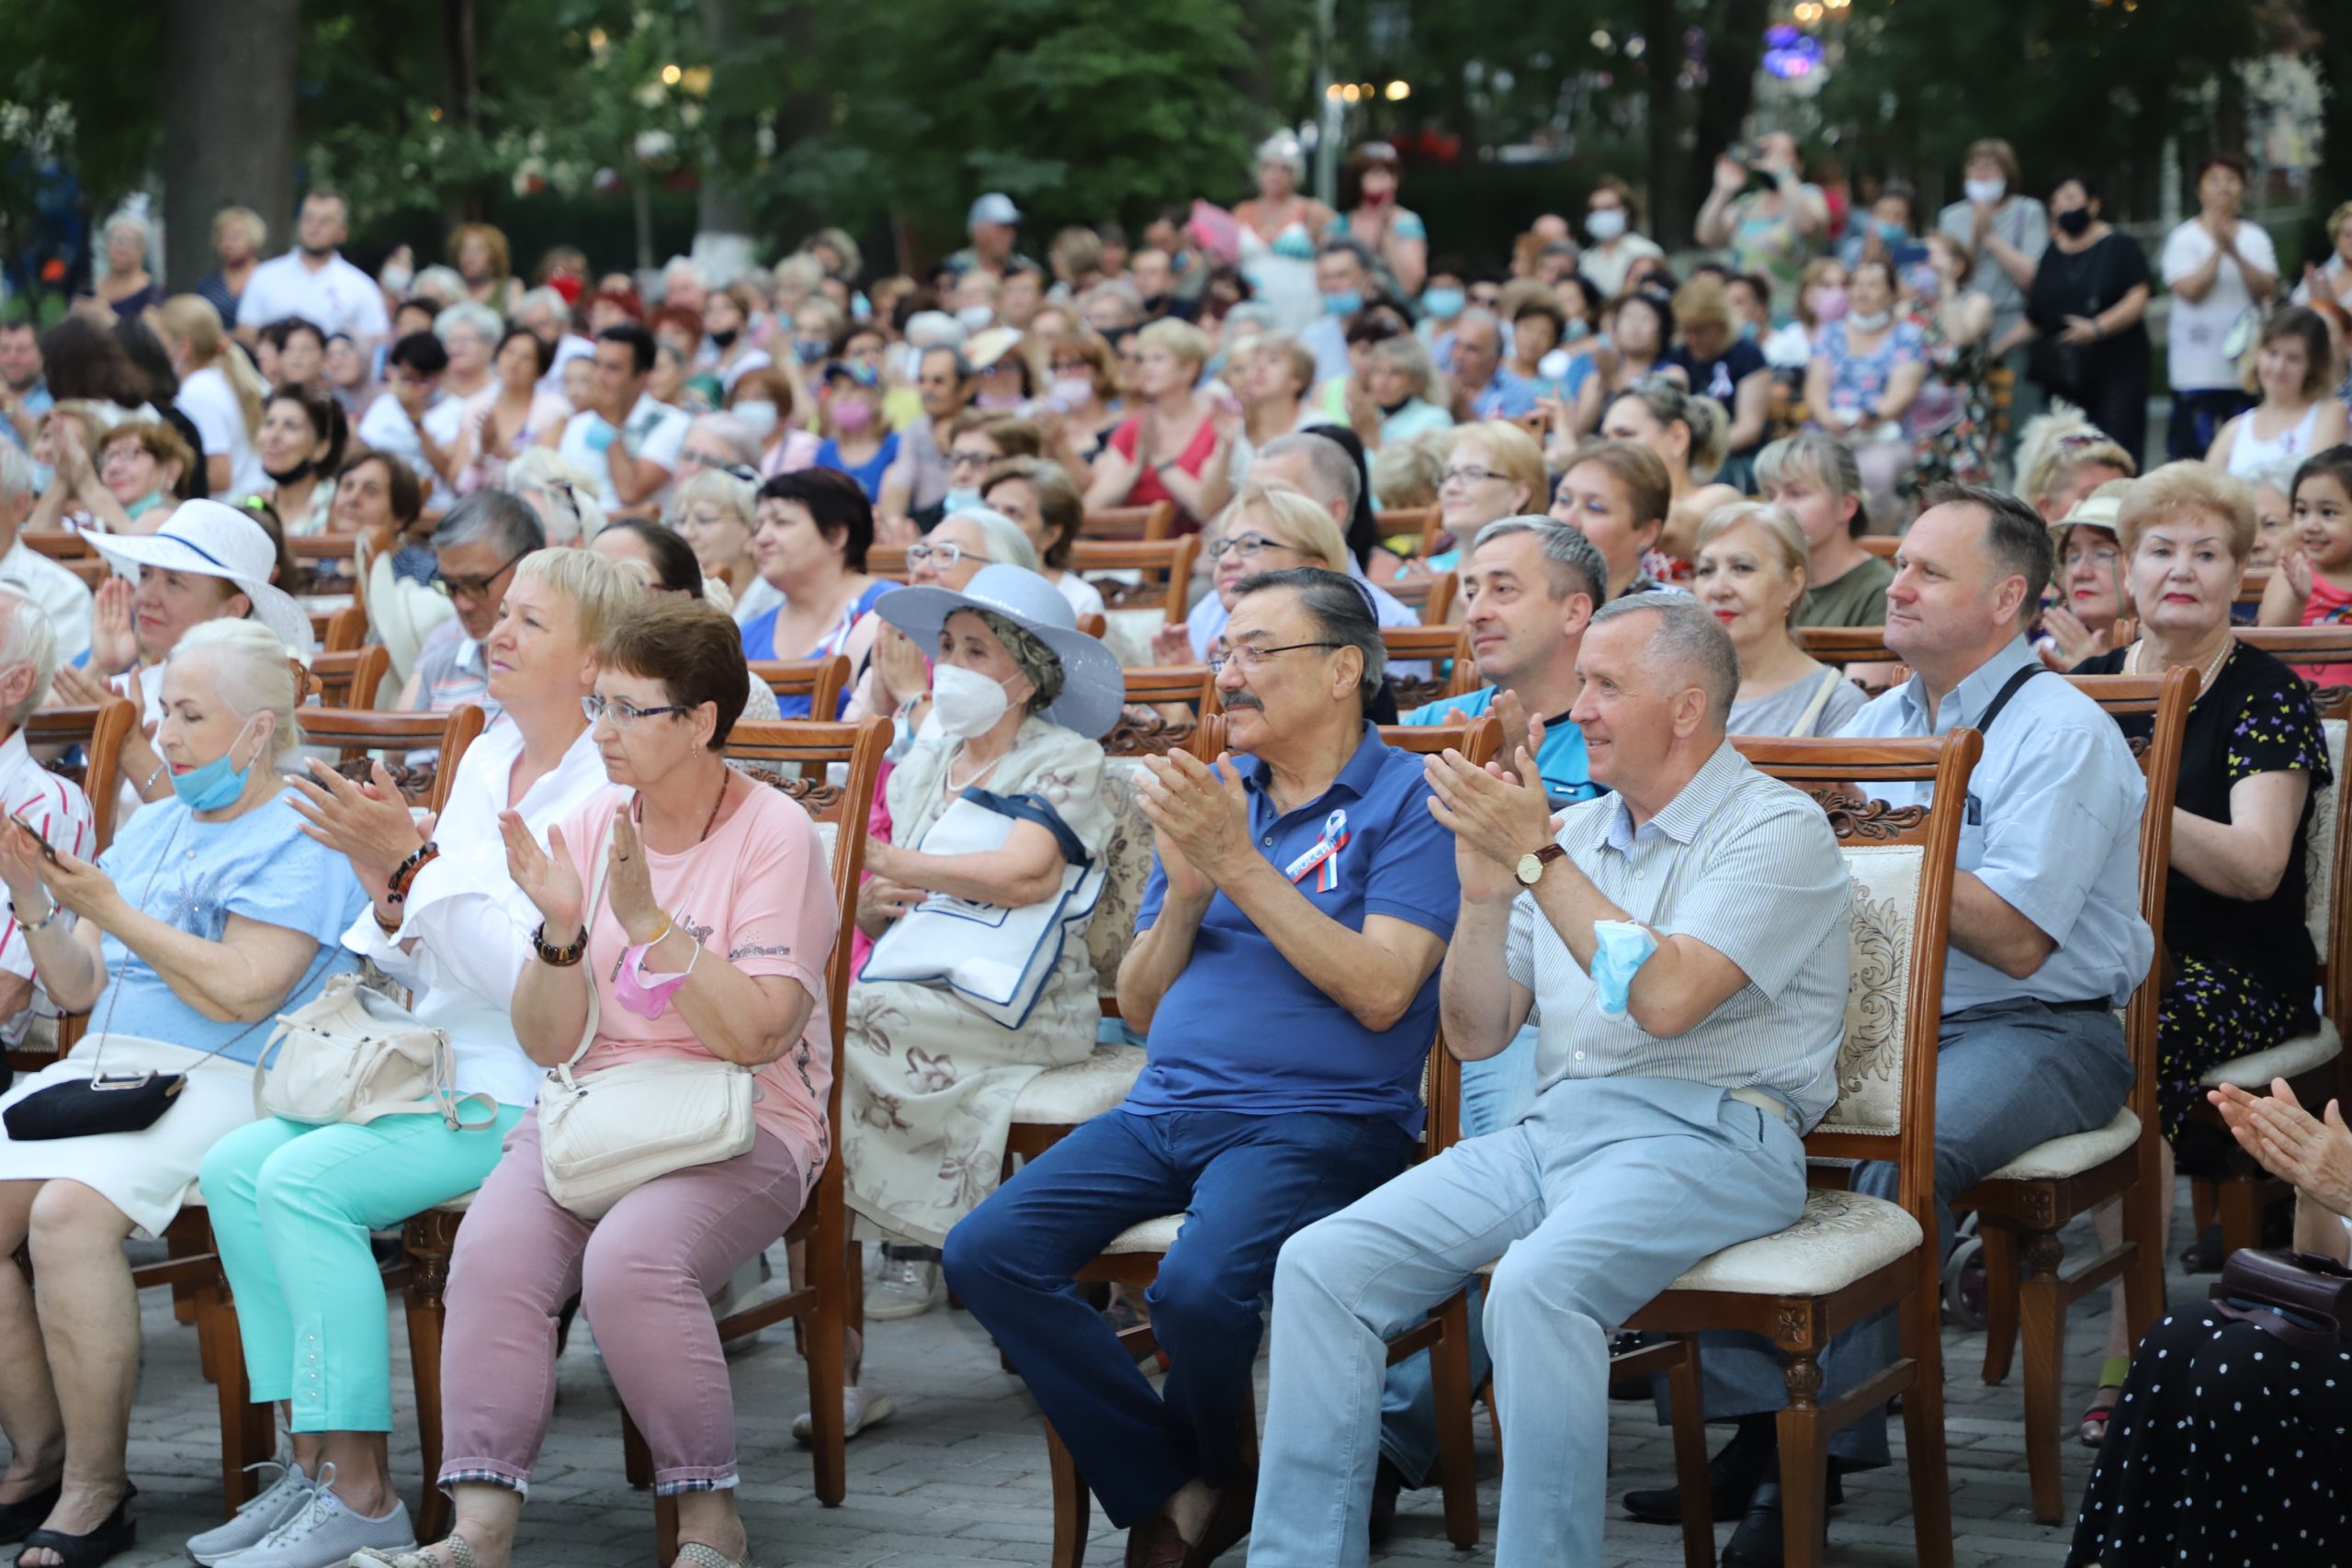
<point>214,540</point>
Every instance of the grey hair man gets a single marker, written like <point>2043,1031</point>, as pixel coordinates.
<point>477,545</point>
<point>1683,944</point>
<point>55,807</point>
<point>547,315</point>
<point>62,596</point>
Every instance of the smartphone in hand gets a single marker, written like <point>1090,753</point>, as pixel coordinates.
<point>47,849</point>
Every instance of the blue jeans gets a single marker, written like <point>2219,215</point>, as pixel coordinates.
<point>1603,1193</point>
<point>1496,1092</point>
<point>1244,1184</point>
<point>2008,1076</point>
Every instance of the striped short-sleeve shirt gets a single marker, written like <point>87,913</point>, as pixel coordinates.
<point>1743,863</point>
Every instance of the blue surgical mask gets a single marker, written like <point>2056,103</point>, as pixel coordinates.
<point>143,505</point>
<point>810,350</point>
<point>1442,304</point>
<point>1889,231</point>
<point>216,784</point>
<point>1346,302</point>
<point>1749,332</point>
<point>1578,329</point>
<point>961,501</point>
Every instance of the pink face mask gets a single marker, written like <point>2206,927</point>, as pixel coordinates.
<point>647,997</point>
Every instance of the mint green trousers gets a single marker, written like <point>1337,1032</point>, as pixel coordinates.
<point>291,1206</point>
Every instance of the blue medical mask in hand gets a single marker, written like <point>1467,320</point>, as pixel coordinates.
<point>1621,948</point>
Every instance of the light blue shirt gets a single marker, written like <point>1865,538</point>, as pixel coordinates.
<point>1567,774</point>
<point>1508,396</point>
<point>1326,337</point>
<point>2053,827</point>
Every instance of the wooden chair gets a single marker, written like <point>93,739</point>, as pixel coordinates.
<point>358,733</point>
<point>1848,645</point>
<point>1445,648</point>
<point>91,569</point>
<point>2001,383</point>
<point>352,679</point>
<point>1133,1257</point>
<point>1422,525</point>
<point>1882,546</point>
<point>1430,594</point>
<point>822,681</point>
<point>1141,574</point>
<point>2022,1207</point>
<point>58,543</point>
<point>887,561</point>
<point>2252,585</point>
<point>1851,1255</point>
<point>330,556</point>
<point>99,731</point>
<point>792,756</point>
<point>1094,626</point>
<point>1152,523</point>
<point>341,631</point>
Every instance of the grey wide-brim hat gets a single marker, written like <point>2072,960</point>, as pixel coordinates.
<point>1093,688</point>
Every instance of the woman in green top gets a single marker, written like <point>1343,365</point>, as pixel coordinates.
<point>1815,478</point>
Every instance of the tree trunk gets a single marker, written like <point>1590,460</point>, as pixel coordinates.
<point>461,107</point>
<point>1734,49</point>
<point>723,243</point>
<point>1663,57</point>
<point>228,122</point>
<point>2332,56</point>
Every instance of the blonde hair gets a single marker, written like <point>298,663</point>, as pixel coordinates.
<point>160,441</point>
<point>546,471</point>
<point>1405,353</point>
<point>2186,486</point>
<point>2053,447</point>
<point>192,320</point>
<point>250,671</point>
<point>257,231</point>
<point>1669,402</point>
<point>1182,339</point>
<point>493,240</point>
<point>1407,472</point>
<point>601,591</point>
<point>737,496</point>
<point>1290,514</point>
<point>1516,456</point>
<point>1783,537</point>
<point>1704,300</point>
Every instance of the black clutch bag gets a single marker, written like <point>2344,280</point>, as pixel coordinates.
<point>129,1102</point>
<point>2297,1297</point>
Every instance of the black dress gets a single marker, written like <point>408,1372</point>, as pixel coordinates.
<point>2241,970</point>
<point>2107,378</point>
<point>2228,1448</point>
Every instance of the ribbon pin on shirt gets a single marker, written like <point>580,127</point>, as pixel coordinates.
<point>1324,854</point>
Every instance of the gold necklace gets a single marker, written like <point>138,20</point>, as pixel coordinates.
<point>2132,663</point>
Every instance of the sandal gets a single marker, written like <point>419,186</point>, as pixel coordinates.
<point>2092,1430</point>
<point>695,1554</point>
<point>21,1517</point>
<point>114,1534</point>
<point>460,1553</point>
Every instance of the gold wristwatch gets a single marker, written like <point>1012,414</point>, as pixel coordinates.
<point>1530,870</point>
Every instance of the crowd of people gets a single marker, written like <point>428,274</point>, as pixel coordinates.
<point>589,504</point>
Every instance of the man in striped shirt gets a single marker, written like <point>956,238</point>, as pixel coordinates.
<point>1668,1116</point>
<point>55,807</point>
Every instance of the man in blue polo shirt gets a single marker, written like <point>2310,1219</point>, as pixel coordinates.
<point>1285,970</point>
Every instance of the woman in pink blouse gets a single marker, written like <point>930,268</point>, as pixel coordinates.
<point>710,941</point>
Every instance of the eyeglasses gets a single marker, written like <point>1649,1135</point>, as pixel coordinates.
<point>1246,546</point>
<point>479,587</point>
<point>1073,367</point>
<point>623,713</point>
<point>945,554</point>
<point>1253,657</point>
<point>1468,473</point>
<point>970,460</point>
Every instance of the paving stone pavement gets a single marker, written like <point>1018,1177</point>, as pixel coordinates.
<point>958,1476</point>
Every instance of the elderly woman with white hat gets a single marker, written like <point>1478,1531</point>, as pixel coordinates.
<point>999,803</point>
<point>209,562</point>
<point>2091,597</point>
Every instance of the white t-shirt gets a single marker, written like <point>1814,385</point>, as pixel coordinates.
<point>387,428</point>
<point>569,347</point>
<point>337,297</point>
<point>653,433</point>
<point>2197,332</point>
<point>1085,599</point>
<point>210,404</point>
<point>61,595</point>
<point>445,422</point>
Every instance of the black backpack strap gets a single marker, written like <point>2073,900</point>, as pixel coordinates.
<point>2009,689</point>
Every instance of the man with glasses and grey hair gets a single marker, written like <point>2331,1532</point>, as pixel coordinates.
<point>1284,969</point>
<point>55,807</point>
<point>475,547</point>
<point>1683,944</point>
<point>62,596</point>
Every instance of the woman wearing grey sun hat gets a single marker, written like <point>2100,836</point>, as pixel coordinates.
<point>1018,695</point>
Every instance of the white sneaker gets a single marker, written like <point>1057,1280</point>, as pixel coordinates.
<point>859,1411</point>
<point>910,1287</point>
<point>325,1533</point>
<point>284,1498</point>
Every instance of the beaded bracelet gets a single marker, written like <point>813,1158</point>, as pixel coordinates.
<point>396,885</point>
<point>558,957</point>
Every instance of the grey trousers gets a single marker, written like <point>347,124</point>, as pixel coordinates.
<point>1608,1189</point>
<point>2008,1076</point>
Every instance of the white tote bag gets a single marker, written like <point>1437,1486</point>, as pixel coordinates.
<point>995,958</point>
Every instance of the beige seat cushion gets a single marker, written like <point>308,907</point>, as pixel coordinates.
<point>1129,634</point>
<point>1841,1237</point>
<point>1064,1097</point>
<point>1152,1236</point>
<point>2284,1060</point>
<point>1126,859</point>
<point>2074,1153</point>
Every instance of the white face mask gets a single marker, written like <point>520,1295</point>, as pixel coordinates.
<point>961,501</point>
<point>975,318</point>
<point>1605,224</point>
<point>760,415</point>
<point>967,703</point>
<point>1986,191</point>
<point>1870,321</point>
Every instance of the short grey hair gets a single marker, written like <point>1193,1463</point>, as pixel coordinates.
<point>1689,641</point>
<point>496,517</point>
<point>1331,474</point>
<point>484,321</point>
<point>129,220</point>
<point>1008,546</point>
<point>1572,562</point>
<point>16,471</point>
<point>442,285</point>
<point>2278,475</point>
<point>1478,315</point>
<point>27,638</point>
<point>543,299</point>
<point>741,445</point>
<point>1341,609</point>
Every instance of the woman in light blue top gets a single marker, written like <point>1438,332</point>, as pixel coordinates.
<point>209,916</point>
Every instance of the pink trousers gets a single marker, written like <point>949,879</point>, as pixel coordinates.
<point>645,1273</point>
